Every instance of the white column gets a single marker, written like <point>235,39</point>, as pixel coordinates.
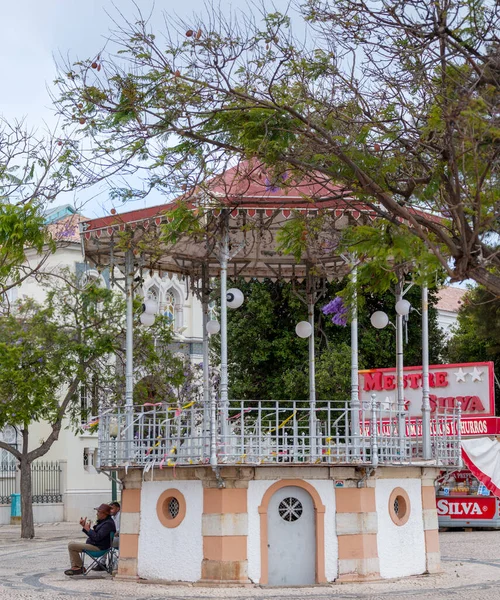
<point>399,373</point>
<point>209,432</point>
<point>224,257</point>
<point>354,368</point>
<point>129,352</point>
<point>426,408</point>
<point>312,370</point>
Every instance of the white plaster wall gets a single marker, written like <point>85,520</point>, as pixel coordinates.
<point>42,513</point>
<point>401,549</point>
<point>256,490</point>
<point>327,494</point>
<point>173,554</point>
<point>48,513</point>
<point>5,514</point>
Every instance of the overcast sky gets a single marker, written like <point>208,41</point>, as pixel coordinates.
<point>36,33</point>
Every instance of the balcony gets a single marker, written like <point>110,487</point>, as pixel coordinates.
<point>268,432</point>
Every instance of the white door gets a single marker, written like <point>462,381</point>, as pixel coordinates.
<point>291,538</point>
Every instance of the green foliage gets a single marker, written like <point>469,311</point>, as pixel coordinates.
<point>21,228</point>
<point>411,129</point>
<point>183,220</point>
<point>76,339</point>
<point>277,366</point>
<point>476,336</point>
<point>384,251</point>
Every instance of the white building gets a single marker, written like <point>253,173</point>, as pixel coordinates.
<point>448,305</point>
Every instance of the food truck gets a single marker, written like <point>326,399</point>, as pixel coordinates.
<point>462,500</point>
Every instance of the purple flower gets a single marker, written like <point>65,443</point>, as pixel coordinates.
<point>337,308</point>
<point>270,187</point>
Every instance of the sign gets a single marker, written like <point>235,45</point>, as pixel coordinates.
<point>468,508</point>
<point>470,384</point>
<point>339,483</point>
<point>469,426</point>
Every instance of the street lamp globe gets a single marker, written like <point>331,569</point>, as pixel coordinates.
<point>213,327</point>
<point>150,307</point>
<point>147,319</point>
<point>303,329</point>
<point>234,298</point>
<point>403,307</point>
<point>379,319</point>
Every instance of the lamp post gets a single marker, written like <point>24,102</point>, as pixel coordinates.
<point>379,320</point>
<point>113,434</point>
<point>426,408</point>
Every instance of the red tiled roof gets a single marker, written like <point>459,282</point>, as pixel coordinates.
<point>450,298</point>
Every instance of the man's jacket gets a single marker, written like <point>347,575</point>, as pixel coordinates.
<point>99,535</point>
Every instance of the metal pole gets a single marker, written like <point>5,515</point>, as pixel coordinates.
<point>224,257</point>
<point>374,432</point>
<point>129,351</point>
<point>426,408</point>
<point>208,433</point>
<point>312,368</point>
<point>399,372</point>
<point>114,496</point>
<point>354,420</point>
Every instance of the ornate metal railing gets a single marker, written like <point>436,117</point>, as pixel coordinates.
<point>270,432</point>
<point>46,482</point>
<point>8,471</point>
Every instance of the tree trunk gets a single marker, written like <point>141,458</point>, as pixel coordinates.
<point>27,526</point>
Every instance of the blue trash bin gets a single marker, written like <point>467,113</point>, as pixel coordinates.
<point>15,505</point>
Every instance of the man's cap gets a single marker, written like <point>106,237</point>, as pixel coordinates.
<point>106,508</point>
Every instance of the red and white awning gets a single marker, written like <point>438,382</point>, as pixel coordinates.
<point>482,457</point>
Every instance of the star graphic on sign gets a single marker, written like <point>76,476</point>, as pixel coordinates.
<point>460,375</point>
<point>476,374</point>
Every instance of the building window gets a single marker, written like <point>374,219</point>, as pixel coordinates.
<point>169,307</point>
<point>290,509</point>
<point>90,459</point>
<point>89,401</point>
<point>153,293</point>
<point>171,508</point>
<point>399,506</point>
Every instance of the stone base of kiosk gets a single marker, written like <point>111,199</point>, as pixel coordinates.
<point>278,525</point>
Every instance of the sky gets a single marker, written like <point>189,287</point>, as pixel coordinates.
<point>37,33</point>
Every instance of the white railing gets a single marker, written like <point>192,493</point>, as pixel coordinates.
<point>269,432</point>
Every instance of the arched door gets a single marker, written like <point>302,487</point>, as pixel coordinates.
<point>291,538</point>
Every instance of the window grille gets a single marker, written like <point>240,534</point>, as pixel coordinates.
<point>290,509</point>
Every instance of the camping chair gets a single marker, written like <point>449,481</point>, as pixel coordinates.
<point>106,558</point>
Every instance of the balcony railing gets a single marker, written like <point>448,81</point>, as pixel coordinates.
<point>273,432</point>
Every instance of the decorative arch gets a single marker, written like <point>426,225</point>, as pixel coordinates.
<point>319,513</point>
<point>172,304</point>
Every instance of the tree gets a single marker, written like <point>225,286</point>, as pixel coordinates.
<point>397,102</point>
<point>48,352</point>
<point>34,171</point>
<point>477,332</point>
<point>277,367</point>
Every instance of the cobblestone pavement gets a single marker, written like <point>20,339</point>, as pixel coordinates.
<point>34,569</point>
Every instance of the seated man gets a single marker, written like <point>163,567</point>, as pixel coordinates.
<point>98,538</point>
<point>115,515</point>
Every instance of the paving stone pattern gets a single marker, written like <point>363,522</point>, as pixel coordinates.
<point>34,570</point>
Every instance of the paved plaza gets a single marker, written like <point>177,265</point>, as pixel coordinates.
<point>34,569</point>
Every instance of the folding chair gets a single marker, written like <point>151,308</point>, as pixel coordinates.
<point>106,558</point>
